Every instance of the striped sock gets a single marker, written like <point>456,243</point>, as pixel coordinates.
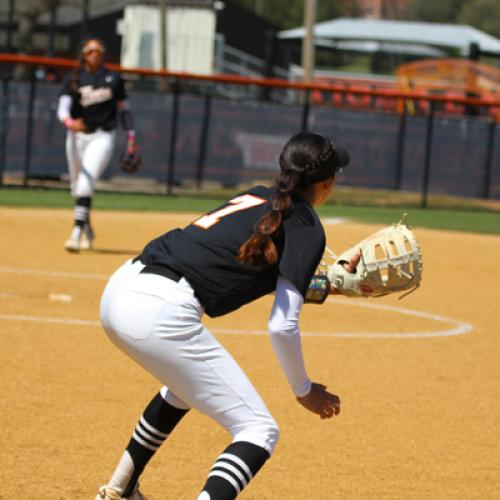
<point>82,211</point>
<point>154,426</point>
<point>233,470</point>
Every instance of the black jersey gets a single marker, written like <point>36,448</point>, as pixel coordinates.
<point>96,99</point>
<point>205,252</point>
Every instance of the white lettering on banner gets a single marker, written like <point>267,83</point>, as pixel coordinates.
<point>90,95</point>
<point>236,204</point>
<point>260,150</point>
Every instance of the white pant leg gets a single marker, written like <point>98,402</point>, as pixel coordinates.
<point>156,322</point>
<point>96,150</point>
<point>74,149</point>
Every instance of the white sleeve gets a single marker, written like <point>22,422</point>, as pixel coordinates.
<point>285,336</point>
<point>64,107</point>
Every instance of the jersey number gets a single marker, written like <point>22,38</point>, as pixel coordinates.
<point>236,204</point>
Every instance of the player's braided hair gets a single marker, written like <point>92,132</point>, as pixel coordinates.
<point>306,158</point>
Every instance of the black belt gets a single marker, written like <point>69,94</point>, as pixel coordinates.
<point>161,270</point>
<point>95,129</point>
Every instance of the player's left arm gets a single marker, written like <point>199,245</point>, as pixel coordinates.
<point>124,112</point>
<point>127,122</point>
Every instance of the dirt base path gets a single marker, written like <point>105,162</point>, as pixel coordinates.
<point>419,378</point>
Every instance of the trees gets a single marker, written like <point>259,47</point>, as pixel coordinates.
<point>482,14</point>
<point>290,13</point>
<point>443,11</point>
<point>28,11</point>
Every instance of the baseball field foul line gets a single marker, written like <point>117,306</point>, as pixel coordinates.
<point>56,274</point>
<point>459,329</point>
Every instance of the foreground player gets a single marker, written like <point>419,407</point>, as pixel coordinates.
<point>264,240</point>
<point>90,100</point>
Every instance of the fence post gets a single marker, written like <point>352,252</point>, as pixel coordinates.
<point>428,154</point>
<point>29,127</point>
<point>400,150</point>
<point>207,109</point>
<point>4,123</point>
<point>489,158</point>
<point>4,118</point>
<point>306,108</point>
<point>173,136</point>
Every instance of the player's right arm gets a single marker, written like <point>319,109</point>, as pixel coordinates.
<point>285,338</point>
<point>64,109</point>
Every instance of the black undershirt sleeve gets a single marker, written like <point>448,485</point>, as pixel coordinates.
<point>302,253</point>
<point>126,119</point>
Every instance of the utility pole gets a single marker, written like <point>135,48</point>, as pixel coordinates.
<point>163,33</point>
<point>52,30</point>
<point>84,21</point>
<point>162,7</point>
<point>308,41</point>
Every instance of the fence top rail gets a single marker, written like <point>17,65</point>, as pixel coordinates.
<point>263,82</point>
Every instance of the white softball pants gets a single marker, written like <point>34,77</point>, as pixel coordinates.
<point>88,155</point>
<point>157,322</point>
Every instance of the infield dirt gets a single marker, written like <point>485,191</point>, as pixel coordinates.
<point>420,413</point>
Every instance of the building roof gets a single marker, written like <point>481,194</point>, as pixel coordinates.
<point>450,36</point>
<point>70,11</point>
<point>369,46</point>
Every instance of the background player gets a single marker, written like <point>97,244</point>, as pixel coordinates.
<point>264,240</point>
<point>90,100</point>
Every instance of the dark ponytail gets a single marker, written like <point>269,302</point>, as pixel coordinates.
<point>304,157</point>
<point>260,247</point>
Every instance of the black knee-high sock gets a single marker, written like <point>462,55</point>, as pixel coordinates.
<point>157,422</point>
<point>82,210</point>
<point>234,469</point>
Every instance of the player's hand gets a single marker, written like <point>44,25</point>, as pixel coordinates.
<point>75,124</point>
<point>349,267</point>
<point>321,402</point>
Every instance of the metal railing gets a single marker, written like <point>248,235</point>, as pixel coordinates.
<point>302,115</point>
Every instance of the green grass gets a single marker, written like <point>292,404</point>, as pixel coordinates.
<point>460,216</point>
<point>455,220</point>
<point>57,198</point>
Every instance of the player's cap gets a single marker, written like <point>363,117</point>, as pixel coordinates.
<point>330,162</point>
<point>341,157</point>
<point>93,45</point>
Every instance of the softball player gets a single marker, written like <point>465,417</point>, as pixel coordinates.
<point>90,100</point>
<point>264,240</point>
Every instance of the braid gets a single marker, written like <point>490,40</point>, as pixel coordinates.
<point>260,247</point>
<point>306,159</point>
<point>321,160</point>
<point>314,167</point>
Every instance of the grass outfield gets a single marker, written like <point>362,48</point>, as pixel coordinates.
<point>467,218</point>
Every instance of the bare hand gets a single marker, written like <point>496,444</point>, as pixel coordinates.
<point>349,267</point>
<point>77,125</point>
<point>321,402</point>
<point>352,264</point>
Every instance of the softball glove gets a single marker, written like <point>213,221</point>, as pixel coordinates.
<point>390,262</point>
<point>131,157</point>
